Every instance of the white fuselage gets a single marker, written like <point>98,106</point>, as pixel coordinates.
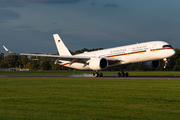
<point>140,52</point>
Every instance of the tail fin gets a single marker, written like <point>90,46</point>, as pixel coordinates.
<point>62,49</point>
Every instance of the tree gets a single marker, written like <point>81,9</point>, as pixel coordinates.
<point>23,60</point>
<point>45,65</point>
<point>30,65</point>
<point>1,57</point>
<point>11,61</point>
<point>36,63</point>
<point>3,64</point>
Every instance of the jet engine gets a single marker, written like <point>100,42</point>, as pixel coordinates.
<point>151,65</point>
<point>98,64</point>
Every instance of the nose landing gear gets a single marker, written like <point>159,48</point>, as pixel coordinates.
<point>166,63</point>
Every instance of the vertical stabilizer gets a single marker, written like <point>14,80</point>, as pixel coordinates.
<point>62,49</point>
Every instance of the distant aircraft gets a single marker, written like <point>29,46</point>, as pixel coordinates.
<point>147,53</point>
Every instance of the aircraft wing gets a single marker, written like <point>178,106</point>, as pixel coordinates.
<point>66,58</point>
<point>75,58</point>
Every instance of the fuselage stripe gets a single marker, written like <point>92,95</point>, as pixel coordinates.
<point>126,54</point>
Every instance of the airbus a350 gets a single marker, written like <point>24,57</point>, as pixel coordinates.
<point>147,53</point>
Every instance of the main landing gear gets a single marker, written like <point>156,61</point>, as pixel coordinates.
<point>119,74</point>
<point>97,74</point>
<point>122,74</point>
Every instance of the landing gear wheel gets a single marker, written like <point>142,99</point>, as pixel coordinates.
<point>119,74</point>
<point>93,74</point>
<point>100,75</point>
<point>97,74</point>
<point>127,75</point>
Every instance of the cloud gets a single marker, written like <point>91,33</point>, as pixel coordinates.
<point>23,28</point>
<point>93,3</point>
<point>111,5</point>
<point>7,15</point>
<point>21,3</point>
<point>10,3</point>
<point>52,1</point>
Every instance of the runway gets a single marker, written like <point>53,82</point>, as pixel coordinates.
<point>91,77</point>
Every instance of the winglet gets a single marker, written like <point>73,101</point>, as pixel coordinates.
<point>7,49</point>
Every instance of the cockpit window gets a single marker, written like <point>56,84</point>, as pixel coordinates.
<point>167,46</point>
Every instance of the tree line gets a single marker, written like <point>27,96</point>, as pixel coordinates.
<point>16,61</point>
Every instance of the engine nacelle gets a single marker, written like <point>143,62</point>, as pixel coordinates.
<point>151,65</point>
<point>98,64</point>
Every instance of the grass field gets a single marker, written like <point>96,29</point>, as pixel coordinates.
<point>113,73</point>
<point>94,99</point>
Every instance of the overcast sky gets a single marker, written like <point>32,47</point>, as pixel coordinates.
<point>28,25</point>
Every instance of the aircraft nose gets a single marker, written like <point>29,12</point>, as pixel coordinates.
<point>173,52</point>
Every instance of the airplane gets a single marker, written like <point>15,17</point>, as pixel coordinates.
<point>148,54</point>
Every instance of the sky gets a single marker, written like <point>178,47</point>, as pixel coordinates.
<point>27,26</point>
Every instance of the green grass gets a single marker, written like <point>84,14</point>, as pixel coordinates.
<point>155,73</point>
<point>113,73</point>
<point>94,99</point>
